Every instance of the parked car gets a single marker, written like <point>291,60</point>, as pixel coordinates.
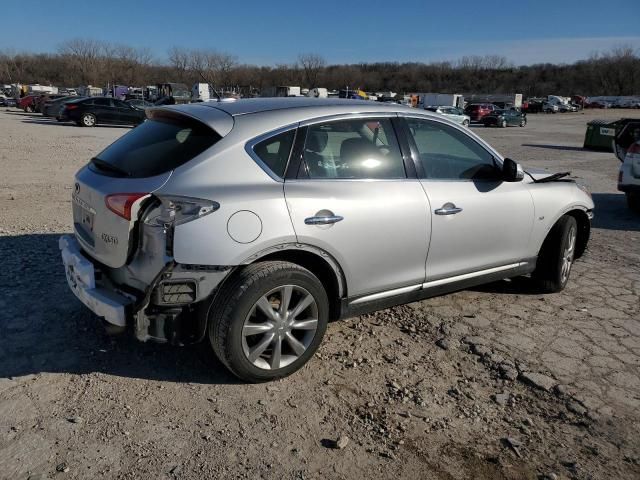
<point>27,103</point>
<point>550,107</point>
<point>51,108</point>
<point>384,205</point>
<point>477,111</point>
<point>627,149</point>
<point>533,105</point>
<point>139,103</point>
<point>91,111</point>
<point>40,101</point>
<point>505,118</point>
<point>567,107</point>
<point>454,114</point>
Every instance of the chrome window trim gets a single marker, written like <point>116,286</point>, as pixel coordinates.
<point>249,145</point>
<point>347,116</point>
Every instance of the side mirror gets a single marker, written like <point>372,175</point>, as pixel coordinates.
<point>511,171</point>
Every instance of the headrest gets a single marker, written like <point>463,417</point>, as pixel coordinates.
<point>317,141</point>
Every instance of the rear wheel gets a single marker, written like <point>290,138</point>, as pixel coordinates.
<point>268,320</point>
<point>633,201</point>
<point>88,120</point>
<point>556,255</point>
<point>465,123</point>
<point>523,122</point>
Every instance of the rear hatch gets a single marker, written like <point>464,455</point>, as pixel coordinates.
<point>111,190</point>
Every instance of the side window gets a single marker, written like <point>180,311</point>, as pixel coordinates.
<point>448,154</point>
<point>102,102</point>
<point>357,149</point>
<point>121,104</point>
<point>274,151</point>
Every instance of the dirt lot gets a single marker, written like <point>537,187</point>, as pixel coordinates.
<point>492,383</point>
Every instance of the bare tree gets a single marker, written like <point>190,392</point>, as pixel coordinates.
<point>85,54</point>
<point>311,64</point>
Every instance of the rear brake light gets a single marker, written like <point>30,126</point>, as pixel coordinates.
<point>121,203</point>
<point>71,107</point>
<point>634,148</point>
<point>177,210</point>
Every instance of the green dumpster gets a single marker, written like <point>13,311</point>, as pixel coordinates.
<point>600,134</point>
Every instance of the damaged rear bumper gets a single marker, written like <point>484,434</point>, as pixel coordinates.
<point>81,277</point>
<point>161,309</point>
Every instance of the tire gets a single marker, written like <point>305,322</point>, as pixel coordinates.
<point>465,123</point>
<point>633,201</point>
<point>556,256</point>
<point>523,122</point>
<point>88,120</point>
<point>236,307</point>
<point>503,124</point>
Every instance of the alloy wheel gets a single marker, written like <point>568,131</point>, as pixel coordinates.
<point>280,327</point>
<point>89,120</point>
<point>567,256</point>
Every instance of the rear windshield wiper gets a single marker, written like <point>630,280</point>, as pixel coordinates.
<point>106,166</point>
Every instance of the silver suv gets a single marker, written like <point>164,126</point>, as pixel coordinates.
<point>253,223</point>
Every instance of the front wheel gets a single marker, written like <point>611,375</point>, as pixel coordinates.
<point>556,255</point>
<point>268,320</point>
<point>465,123</point>
<point>633,201</point>
<point>503,124</point>
<point>523,122</point>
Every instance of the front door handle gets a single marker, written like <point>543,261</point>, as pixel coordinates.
<point>328,220</point>
<point>448,209</point>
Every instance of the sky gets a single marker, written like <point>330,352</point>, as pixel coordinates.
<point>273,32</point>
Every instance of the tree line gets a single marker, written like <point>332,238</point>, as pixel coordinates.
<point>92,62</point>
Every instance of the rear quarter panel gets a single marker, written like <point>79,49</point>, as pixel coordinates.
<point>233,179</point>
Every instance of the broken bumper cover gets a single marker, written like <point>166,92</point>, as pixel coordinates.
<point>81,278</point>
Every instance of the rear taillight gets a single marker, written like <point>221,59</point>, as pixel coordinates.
<point>634,148</point>
<point>176,210</point>
<point>121,203</point>
<point>71,107</point>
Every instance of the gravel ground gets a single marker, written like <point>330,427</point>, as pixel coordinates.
<point>498,382</point>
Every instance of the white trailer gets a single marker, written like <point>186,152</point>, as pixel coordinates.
<point>440,100</point>
<point>282,91</point>
<point>503,99</point>
<point>201,92</point>
<point>37,88</point>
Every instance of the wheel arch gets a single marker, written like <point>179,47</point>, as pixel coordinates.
<point>317,261</point>
<point>584,229</point>
<point>314,259</point>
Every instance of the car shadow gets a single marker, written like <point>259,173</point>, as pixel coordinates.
<point>556,147</point>
<point>44,328</point>
<point>612,213</point>
<point>511,286</point>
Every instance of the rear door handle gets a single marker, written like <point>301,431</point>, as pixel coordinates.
<point>323,220</point>
<point>448,209</point>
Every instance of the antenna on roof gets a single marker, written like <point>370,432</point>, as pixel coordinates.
<point>212,88</point>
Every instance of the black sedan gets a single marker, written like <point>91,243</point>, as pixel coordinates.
<point>505,118</point>
<point>92,111</point>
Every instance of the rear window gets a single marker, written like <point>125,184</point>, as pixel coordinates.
<point>154,147</point>
<point>274,151</point>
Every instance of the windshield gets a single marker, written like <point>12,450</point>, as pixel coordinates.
<point>154,147</point>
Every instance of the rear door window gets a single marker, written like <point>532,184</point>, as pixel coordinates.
<point>353,149</point>
<point>156,146</point>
